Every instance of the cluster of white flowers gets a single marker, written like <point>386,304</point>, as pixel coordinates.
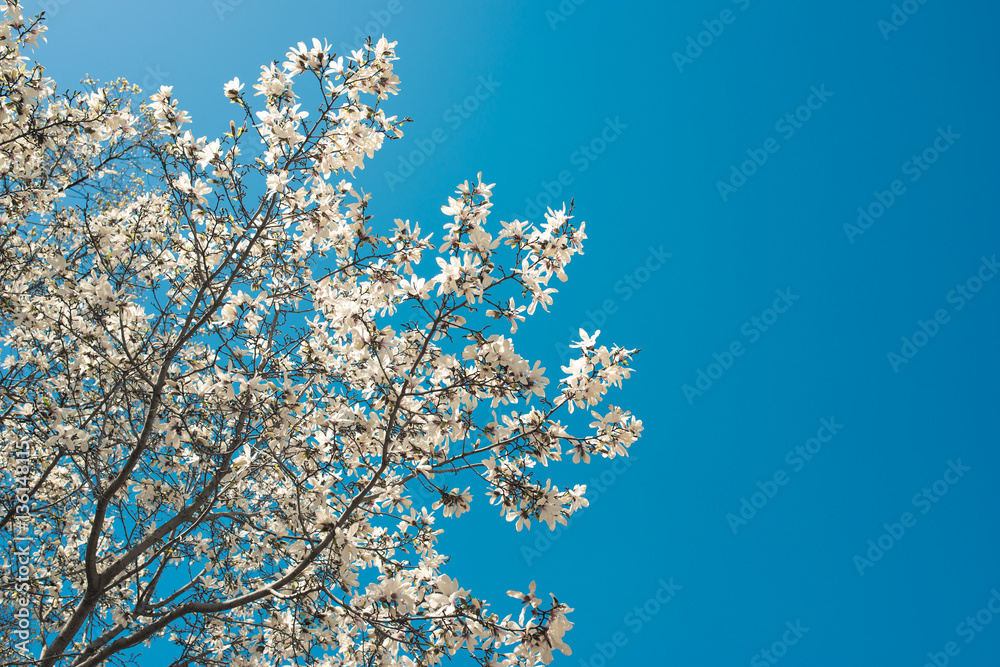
<point>223,371</point>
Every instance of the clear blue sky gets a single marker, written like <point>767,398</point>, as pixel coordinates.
<point>716,177</point>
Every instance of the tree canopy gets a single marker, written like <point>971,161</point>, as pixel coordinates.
<point>222,390</point>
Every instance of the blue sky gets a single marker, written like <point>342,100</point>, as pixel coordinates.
<point>717,150</point>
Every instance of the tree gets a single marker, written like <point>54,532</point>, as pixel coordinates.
<point>222,391</point>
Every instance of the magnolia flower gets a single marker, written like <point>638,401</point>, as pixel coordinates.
<point>244,459</point>
<point>384,48</point>
<point>209,153</point>
<point>196,190</point>
<point>232,89</point>
<point>229,313</point>
<point>586,342</point>
<point>448,592</point>
<point>528,598</point>
<point>393,592</point>
<point>162,95</point>
<point>417,287</point>
<point>540,296</point>
<point>302,58</point>
<point>272,81</point>
<point>276,182</point>
<point>254,384</point>
<point>454,503</point>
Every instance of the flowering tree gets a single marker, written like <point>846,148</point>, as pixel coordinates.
<point>222,390</point>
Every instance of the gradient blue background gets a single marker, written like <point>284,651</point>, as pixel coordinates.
<point>655,185</point>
